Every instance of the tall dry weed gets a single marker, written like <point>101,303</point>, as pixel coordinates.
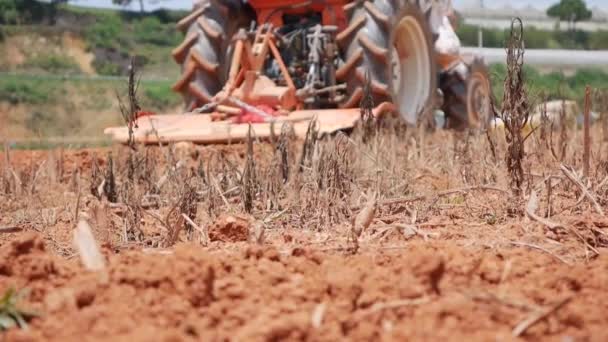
<point>515,108</point>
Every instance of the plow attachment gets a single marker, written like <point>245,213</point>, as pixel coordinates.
<point>201,129</point>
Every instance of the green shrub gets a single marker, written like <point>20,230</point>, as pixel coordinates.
<point>159,96</point>
<point>599,40</point>
<point>16,12</point>
<point>104,67</point>
<point>536,38</point>
<point>551,86</point>
<point>107,32</point>
<point>8,16</point>
<point>150,30</point>
<point>469,36</point>
<point>53,63</point>
<point>12,313</point>
<point>17,91</point>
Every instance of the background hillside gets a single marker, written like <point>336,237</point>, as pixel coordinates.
<point>62,66</point>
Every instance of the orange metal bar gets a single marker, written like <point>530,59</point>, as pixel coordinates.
<point>237,82</point>
<point>260,49</point>
<point>236,62</point>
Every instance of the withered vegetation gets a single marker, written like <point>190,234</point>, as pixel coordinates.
<point>393,179</point>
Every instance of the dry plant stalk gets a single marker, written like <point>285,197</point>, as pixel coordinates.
<point>515,109</point>
<point>310,142</point>
<point>248,180</point>
<point>129,112</point>
<point>258,233</point>
<point>544,120</point>
<point>109,183</point>
<point>333,175</point>
<point>283,149</point>
<point>603,109</point>
<point>175,221</point>
<point>367,120</point>
<point>132,218</point>
<point>363,219</point>
<point>491,145</point>
<point>96,180</point>
<point>563,135</point>
<point>586,132</point>
<point>7,176</point>
<point>543,142</point>
<point>187,205</point>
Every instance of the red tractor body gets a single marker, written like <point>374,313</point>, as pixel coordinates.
<point>272,11</point>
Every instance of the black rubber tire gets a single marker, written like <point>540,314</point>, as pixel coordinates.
<point>205,53</point>
<point>366,46</point>
<point>459,104</point>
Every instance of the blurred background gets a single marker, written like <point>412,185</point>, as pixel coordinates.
<point>62,62</point>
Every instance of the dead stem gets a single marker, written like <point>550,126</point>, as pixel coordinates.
<point>574,179</point>
<point>539,316</point>
<point>523,244</point>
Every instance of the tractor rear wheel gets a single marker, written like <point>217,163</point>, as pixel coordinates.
<point>467,102</point>
<point>393,43</point>
<point>204,53</point>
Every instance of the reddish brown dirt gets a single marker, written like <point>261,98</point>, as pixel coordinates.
<point>463,276</point>
<point>423,291</point>
<point>229,228</point>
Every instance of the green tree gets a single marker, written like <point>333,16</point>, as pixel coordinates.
<point>128,2</point>
<point>570,11</point>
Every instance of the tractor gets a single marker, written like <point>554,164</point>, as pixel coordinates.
<point>276,56</point>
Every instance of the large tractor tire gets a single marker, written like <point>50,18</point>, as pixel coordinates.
<point>392,41</point>
<point>205,52</point>
<point>467,100</point>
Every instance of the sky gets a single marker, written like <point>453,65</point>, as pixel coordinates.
<point>187,4</point>
<point>540,4</point>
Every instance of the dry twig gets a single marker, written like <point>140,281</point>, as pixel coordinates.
<point>523,244</point>
<point>10,229</point>
<point>538,317</point>
<point>572,177</point>
<point>203,231</point>
<point>531,209</point>
<point>377,307</point>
